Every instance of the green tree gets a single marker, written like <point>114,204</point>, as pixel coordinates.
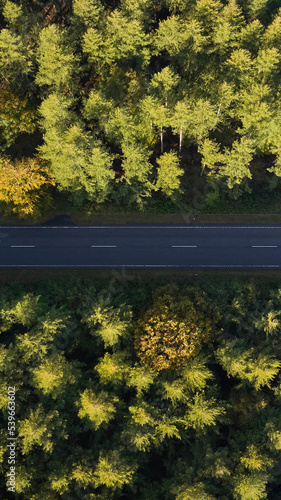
<point>257,368</point>
<point>55,59</point>
<point>54,375</point>
<point>136,167</point>
<point>251,36</point>
<point>182,40</point>
<point>16,116</point>
<point>195,374</point>
<point>98,174</point>
<point>97,408</point>
<point>163,85</point>
<point>60,480</point>
<point>192,492</point>
<point>24,479</point>
<point>180,120</point>
<point>138,9</point>
<point>108,323</point>
<point>254,460</point>
<point>168,173</point>
<point>159,116</point>
<point>267,64</point>
<point>123,41</point>
<point>202,119</point>
<point>37,343</point>
<point>227,30</point>
<point>12,12</point>
<point>240,66</point>
<point>235,162</point>
<point>257,117</point>
<point>89,11</point>
<point>112,368</point>
<point>140,378</point>
<point>15,57</point>
<point>86,164</point>
<point>98,108</point>
<point>174,391</point>
<point>113,471</point>
<point>272,33</point>
<point>256,7</point>
<point>166,428</point>
<point>22,312</point>
<point>203,412</point>
<point>251,486</point>
<point>141,415</point>
<point>39,429</point>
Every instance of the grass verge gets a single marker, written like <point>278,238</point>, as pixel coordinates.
<point>115,217</point>
<point>31,275</point>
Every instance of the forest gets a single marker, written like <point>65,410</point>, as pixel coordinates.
<point>132,103</point>
<point>136,389</point>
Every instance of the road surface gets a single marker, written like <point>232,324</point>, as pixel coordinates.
<point>186,246</point>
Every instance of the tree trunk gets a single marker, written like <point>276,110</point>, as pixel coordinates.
<point>161,136</point>
<point>216,121</point>
<point>180,139</point>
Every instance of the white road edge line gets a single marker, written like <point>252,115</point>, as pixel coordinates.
<point>22,246</point>
<point>103,246</point>
<point>264,246</point>
<point>191,266</point>
<point>143,227</point>
<point>184,246</point>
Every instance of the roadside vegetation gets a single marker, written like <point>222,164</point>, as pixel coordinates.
<point>152,106</point>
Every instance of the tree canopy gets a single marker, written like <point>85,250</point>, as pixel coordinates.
<point>107,91</point>
<point>94,409</point>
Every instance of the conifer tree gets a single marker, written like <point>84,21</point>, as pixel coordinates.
<point>98,408</point>
<point>55,59</point>
<point>113,471</point>
<point>168,172</point>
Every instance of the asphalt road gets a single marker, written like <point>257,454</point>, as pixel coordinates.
<point>186,246</point>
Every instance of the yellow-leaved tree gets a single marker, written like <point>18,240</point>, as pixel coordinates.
<point>22,186</point>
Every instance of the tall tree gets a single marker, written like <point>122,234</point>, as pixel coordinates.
<point>98,408</point>
<point>180,120</point>
<point>228,26</point>
<point>113,471</point>
<point>78,162</point>
<point>15,58</point>
<point>89,11</point>
<point>235,162</point>
<point>257,368</point>
<point>55,59</point>
<point>168,174</point>
<point>163,85</point>
<point>39,428</point>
